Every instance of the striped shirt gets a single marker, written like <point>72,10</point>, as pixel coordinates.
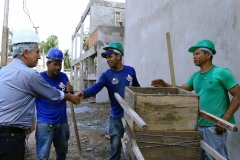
<point>19,87</point>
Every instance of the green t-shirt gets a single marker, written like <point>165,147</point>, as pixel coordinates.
<point>212,87</point>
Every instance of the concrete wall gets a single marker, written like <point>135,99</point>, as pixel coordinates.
<point>146,24</point>
<point>102,13</point>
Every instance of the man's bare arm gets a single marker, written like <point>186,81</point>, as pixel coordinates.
<point>162,83</point>
<point>233,107</point>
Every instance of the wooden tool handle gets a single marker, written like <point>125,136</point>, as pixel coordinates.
<point>218,121</point>
<point>170,59</point>
<point>76,130</point>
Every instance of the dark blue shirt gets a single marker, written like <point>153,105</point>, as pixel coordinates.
<point>114,81</point>
<point>48,111</point>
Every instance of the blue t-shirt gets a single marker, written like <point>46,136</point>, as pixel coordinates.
<point>114,81</point>
<point>48,111</point>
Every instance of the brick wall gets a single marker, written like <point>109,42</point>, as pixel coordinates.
<point>93,38</point>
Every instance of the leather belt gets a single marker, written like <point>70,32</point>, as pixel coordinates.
<point>12,129</point>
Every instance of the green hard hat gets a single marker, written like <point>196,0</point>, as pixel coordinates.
<point>203,44</point>
<point>114,46</point>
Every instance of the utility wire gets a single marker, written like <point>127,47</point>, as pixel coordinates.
<point>25,9</point>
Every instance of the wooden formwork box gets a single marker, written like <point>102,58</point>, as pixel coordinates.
<point>171,115</point>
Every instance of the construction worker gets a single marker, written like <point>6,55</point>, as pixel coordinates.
<point>212,84</point>
<point>114,79</point>
<point>20,85</point>
<point>52,125</point>
<point>121,24</point>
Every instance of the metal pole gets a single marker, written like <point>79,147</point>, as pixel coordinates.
<point>4,49</point>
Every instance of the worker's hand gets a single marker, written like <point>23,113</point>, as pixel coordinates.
<point>69,87</point>
<point>158,83</point>
<point>80,95</point>
<point>220,130</point>
<point>75,99</point>
<point>30,130</point>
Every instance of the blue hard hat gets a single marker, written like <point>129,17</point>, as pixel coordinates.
<point>55,54</point>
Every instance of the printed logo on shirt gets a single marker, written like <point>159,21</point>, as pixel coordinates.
<point>62,86</point>
<point>114,81</point>
<point>129,78</point>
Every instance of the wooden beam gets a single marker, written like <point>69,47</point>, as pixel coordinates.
<point>125,150</point>
<point>170,59</point>
<point>211,151</point>
<point>136,150</point>
<point>129,135</point>
<point>124,122</point>
<point>218,121</point>
<point>76,130</point>
<point>5,30</point>
<point>131,112</point>
<point>82,19</point>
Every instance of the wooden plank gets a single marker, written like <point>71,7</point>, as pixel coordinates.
<point>153,90</point>
<point>131,112</point>
<point>133,148</point>
<point>129,135</point>
<point>169,145</point>
<point>124,122</point>
<point>211,151</point>
<point>76,131</point>
<point>170,59</point>
<point>82,19</point>
<point>136,150</point>
<point>182,91</point>
<point>167,113</point>
<point>163,109</point>
<point>218,121</point>
<point>125,150</point>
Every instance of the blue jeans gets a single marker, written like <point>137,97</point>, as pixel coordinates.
<point>12,146</point>
<point>46,134</point>
<point>216,141</point>
<point>116,131</point>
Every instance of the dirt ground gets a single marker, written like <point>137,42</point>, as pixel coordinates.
<point>93,124</point>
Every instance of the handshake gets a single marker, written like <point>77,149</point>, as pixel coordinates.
<point>74,98</point>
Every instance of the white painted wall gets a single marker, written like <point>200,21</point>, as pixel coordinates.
<point>188,21</point>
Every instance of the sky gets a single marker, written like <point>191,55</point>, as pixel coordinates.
<point>53,17</point>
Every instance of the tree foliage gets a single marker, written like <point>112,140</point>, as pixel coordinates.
<point>85,44</point>
<point>51,42</point>
<point>67,60</point>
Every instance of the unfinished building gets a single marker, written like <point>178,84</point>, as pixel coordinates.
<point>104,17</point>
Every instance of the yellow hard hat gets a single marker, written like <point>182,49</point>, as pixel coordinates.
<point>120,20</point>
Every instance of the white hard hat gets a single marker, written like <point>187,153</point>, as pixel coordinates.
<point>25,36</point>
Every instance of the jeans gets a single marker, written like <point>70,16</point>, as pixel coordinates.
<point>216,141</point>
<point>46,134</point>
<point>12,146</point>
<point>116,131</point>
